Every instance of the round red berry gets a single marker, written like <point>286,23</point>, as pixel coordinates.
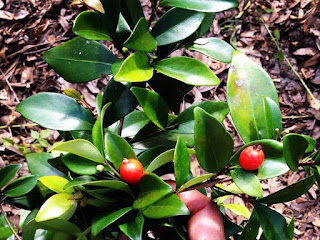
<point>131,170</point>
<point>251,157</point>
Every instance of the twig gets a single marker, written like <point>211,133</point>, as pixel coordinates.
<point>296,117</point>
<point>289,63</point>
<point>120,126</point>
<point>247,199</point>
<point>19,125</point>
<point>112,168</point>
<point>9,224</point>
<point>14,93</point>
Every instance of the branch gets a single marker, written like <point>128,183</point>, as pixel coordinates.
<point>154,6</point>
<point>9,224</point>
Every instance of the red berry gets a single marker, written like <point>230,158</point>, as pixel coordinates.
<point>131,170</point>
<point>251,157</point>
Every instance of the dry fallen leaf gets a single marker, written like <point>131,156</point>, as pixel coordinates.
<point>95,4</point>
<point>314,103</point>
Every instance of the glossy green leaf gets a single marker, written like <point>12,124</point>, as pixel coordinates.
<point>111,15</point>
<point>98,130</point>
<point>290,228</point>
<point>273,224</point>
<point>317,157</point>
<point>238,209</point>
<point>247,182</point>
<point>132,11</point>
<point>91,25</point>
<point>206,24</point>
<point>152,189</point>
<point>91,57</point>
<point>103,220</point>
<point>202,6</point>
<point>169,206</point>
<point>316,172</point>
<point>123,30</point>
<point>5,233</point>
<point>311,143</point>
<point>112,184</point>
<point>247,83</point>
<point>133,228</point>
<point>289,193</point>
<point>251,230</point>
<point>80,165</point>
<point>141,39</point>
<point>56,184</point>
<point>273,117</point>
<point>230,228</point>
<point>135,68</point>
<point>214,48</point>
<point>171,90</point>
<point>181,162</point>
<point>133,123</point>
<point>294,147</point>
<point>8,173</point>
<point>153,105</point>
<point>99,103</point>
<point>150,154</point>
<point>80,147</point>
<point>38,165</point>
<point>187,70</point>
<point>20,186</point>
<point>56,111</point>
<point>213,144</point>
<point>118,149</point>
<point>175,25</point>
<point>122,99</point>
<point>56,206</point>
<point>161,160</point>
<point>195,181</point>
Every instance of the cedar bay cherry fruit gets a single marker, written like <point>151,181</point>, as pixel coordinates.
<point>251,157</point>
<point>131,170</point>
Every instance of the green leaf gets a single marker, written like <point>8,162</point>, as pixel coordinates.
<point>214,48</point>
<point>8,173</point>
<point>230,228</point>
<point>79,181</point>
<point>247,83</point>
<point>20,186</point>
<point>133,123</point>
<point>206,24</point>
<point>175,25</point>
<point>123,30</point>
<point>56,111</point>
<point>153,105</point>
<point>132,11</point>
<point>171,90</point>
<point>122,99</point>
<point>311,143</point>
<point>101,221</point>
<point>99,103</point>
<point>152,189</point>
<point>135,68</point>
<point>274,163</point>
<point>316,172</point>
<point>112,184</point>
<point>291,228</point>
<point>80,60</point>
<point>111,15</point>
<point>150,154</point>
<point>273,224</point>
<point>273,117</point>
<point>118,149</point>
<point>34,134</point>
<point>195,181</point>
<point>56,206</point>
<point>247,182</point>
<point>250,231</point>
<point>91,25</point>
<point>294,147</point>
<point>98,131</point>
<point>56,184</point>
<point>187,70</point>
<point>213,144</point>
<point>238,209</point>
<point>161,160</point>
<point>5,233</point>
<point>202,6</point>
<point>181,162</point>
<point>80,147</point>
<point>169,206</point>
<point>289,193</point>
<point>79,165</point>
<point>38,165</point>
<point>133,228</point>
<point>141,39</point>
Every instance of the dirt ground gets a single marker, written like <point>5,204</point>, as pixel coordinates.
<point>30,27</point>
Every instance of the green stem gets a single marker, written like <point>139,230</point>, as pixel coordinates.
<point>112,168</point>
<point>19,125</point>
